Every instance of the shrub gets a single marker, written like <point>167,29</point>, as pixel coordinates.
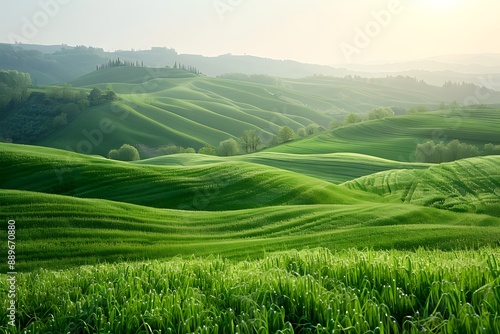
<point>125,153</point>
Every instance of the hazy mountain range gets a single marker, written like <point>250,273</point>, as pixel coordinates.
<point>50,64</point>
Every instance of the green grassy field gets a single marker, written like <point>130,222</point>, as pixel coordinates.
<point>312,291</point>
<point>468,185</point>
<point>228,185</point>
<point>175,107</point>
<point>335,168</point>
<point>56,232</point>
<point>238,209</point>
<point>342,232</point>
<point>396,138</point>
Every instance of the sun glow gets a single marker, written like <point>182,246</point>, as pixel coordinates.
<point>444,4</point>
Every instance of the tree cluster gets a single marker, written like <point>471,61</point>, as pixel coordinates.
<point>117,63</point>
<point>125,153</point>
<point>188,68</point>
<point>380,113</point>
<point>377,113</point>
<point>433,152</point>
<point>250,141</point>
<point>417,110</point>
<point>97,96</point>
<point>352,118</point>
<point>13,88</point>
<point>42,113</point>
<point>82,49</point>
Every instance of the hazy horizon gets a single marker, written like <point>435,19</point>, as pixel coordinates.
<point>319,32</point>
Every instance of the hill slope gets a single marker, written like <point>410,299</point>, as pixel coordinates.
<point>336,168</point>
<point>166,106</point>
<point>60,231</point>
<point>219,186</point>
<point>395,138</point>
<point>469,185</point>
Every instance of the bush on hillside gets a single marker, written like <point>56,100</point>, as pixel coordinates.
<point>380,113</point>
<point>286,134</point>
<point>207,150</point>
<point>352,118</point>
<point>433,152</point>
<point>228,147</point>
<point>125,153</point>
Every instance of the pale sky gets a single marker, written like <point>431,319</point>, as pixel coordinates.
<point>327,32</point>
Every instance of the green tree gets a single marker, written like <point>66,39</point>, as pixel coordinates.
<point>285,134</point>
<point>13,87</point>
<point>250,141</point>
<point>187,150</point>
<point>312,129</point>
<point>334,123</point>
<point>352,118</point>
<point>114,154</point>
<point>168,149</point>
<point>207,150</point>
<point>95,96</point>
<point>490,149</point>
<point>380,113</point>
<point>441,152</point>
<point>301,132</point>
<point>228,147</point>
<point>424,151</point>
<point>60,121</point>
<point>125,153</point>
<point>417,110</point>
<point>111,96</point>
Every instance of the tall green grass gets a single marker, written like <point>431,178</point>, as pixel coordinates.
<point>312,291</point>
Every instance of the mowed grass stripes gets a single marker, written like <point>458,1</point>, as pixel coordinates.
<point>396,138</point>
<point>61,231</point>
<point>335,168</point>
<point>219,186</point>
<point>468,185</point>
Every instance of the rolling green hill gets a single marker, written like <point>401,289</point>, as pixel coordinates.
<point>338,232</point>
<point>166,106</point>
<point>336,168</point>
<point>395,138</point>
<point>468,185</point>
<point>129,75</point>
<point>217,186</point>
<point>233,208</point>
<point>61,231</point>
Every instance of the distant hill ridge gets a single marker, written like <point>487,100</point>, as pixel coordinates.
<point>51,64</point>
